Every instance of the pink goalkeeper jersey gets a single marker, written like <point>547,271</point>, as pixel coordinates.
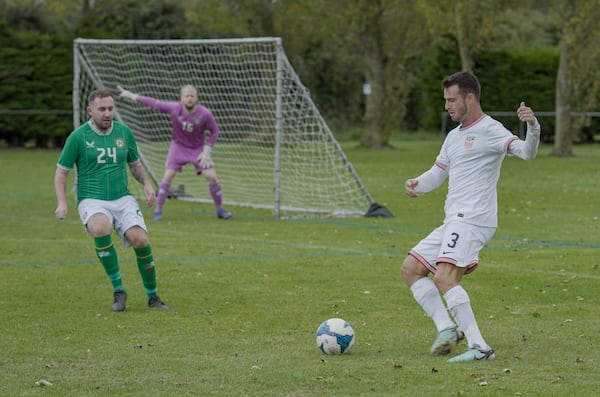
<point>472,157</point>
<point>188,130</point>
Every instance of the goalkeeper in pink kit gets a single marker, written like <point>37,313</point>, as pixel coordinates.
<point>190,121</point>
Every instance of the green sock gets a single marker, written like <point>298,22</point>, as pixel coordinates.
<point>105,251</point>
<point>145,263</point>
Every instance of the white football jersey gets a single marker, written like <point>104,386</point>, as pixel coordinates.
<point>472,158</point>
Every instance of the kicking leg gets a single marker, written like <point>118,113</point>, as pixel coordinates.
<point>428,297</point>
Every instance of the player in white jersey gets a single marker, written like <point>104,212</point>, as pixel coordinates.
<point>471,157</point>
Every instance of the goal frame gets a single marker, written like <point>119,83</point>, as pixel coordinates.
<point>80,66</point>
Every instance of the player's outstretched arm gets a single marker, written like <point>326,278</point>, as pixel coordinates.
<point>123,93</point>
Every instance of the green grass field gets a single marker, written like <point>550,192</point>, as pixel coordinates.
<point>247,295</point>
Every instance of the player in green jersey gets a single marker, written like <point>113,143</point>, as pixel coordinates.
<point>101,149</point>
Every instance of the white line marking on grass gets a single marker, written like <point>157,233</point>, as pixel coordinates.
<point>561,273</point>
<point>270,241</point>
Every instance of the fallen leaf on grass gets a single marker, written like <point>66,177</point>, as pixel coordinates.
<point>43,382</point>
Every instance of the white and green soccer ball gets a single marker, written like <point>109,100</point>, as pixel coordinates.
<point>335,336</point>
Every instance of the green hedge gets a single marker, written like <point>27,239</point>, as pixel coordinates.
<point>507,77</point>
<point>36,73</point>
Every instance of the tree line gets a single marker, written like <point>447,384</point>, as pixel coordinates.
<point>372,66</point>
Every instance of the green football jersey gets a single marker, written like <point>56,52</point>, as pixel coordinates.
<point>101,160</point>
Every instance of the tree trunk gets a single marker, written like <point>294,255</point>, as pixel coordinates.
<point>563,136</point>
<point>373,136</point>
<point>464,48</point>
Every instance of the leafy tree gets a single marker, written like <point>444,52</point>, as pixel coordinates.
<point>470,22</point>
<point>384,40</point>
<point>578,77</point>
<point>29,16</point>
<point>390,39</point>
<point>231,18</point>
<point>69,12</point>
<point>338,46</point>
<point>524,26</point>
<point>134,19</point>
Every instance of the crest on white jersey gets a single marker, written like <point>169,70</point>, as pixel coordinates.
<point>469,141</point>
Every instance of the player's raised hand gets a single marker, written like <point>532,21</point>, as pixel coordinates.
<point>123,93</point>
<point>525,114</point>
<point>409,187</point>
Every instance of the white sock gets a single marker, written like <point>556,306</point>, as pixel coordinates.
<point>427,295</point>
<point>460,307</point>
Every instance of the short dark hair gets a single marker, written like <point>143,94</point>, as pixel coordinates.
<point>467,83</point>
<point>100,93</point>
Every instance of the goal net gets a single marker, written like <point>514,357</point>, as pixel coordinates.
<point>274,151</point>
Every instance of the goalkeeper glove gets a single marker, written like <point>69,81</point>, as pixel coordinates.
<point>205,159</point>
<point>123,93</point>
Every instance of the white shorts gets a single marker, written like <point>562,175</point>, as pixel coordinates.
<point>455,242</point>
<point>123,214</point>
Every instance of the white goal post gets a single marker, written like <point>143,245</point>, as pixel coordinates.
<point>274,151</point>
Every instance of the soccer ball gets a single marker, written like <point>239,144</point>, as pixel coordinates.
<point>335,336</point>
